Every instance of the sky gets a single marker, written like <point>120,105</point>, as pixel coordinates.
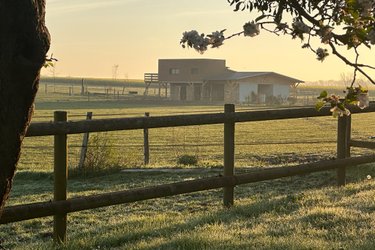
<point>90,37</point>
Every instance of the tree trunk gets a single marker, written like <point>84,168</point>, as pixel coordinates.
<point>24,42</point>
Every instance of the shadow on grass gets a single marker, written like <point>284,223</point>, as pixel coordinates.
<point>22,176</point>
<point>281,206</point>
<point>29,183</point>
<point>34,183</point>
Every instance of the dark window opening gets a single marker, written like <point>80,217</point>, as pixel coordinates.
<point>174,71</point>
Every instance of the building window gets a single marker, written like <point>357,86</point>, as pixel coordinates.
<point>174,71</point>
<point>194,71</point>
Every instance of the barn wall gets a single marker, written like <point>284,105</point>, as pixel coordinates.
<point>197,92</point>
<point>174,92</point>
<point>214,91</point>
<point>189,70</point>
<point>280,86</point>
<point>190,92</point>
<point>206,92</point>
<point>269,79</point>
<point>282,90</point>
<point>231,92</point>
<point>266,90</point>
<point>245,89</point>
<point>217,94</point>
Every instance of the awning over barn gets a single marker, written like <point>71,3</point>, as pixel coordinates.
<point>231,75</point>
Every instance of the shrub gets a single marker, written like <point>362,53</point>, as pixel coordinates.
<point>187,160</point>
<point>100,153</point>
<point>274,100</point>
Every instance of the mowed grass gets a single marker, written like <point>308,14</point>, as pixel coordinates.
<point>301,212</point>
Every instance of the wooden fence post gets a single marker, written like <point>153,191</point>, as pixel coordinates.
<point>60,178</point>
<point>82,87</point>
<point>85,142</point>
<point>146,145</point>
<point>348,135</point>
<point>343,148</point>
<point>229,126</point>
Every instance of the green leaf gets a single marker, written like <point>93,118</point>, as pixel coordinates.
<point>362,89</point>
<point>341,106</point>
<point>351,98</point>
<point>351,101</point>
<point>323,95</point>
<point>319,105</point>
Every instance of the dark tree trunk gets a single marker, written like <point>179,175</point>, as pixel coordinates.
<point>24,42</point>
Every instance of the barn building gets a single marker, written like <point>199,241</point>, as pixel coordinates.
<point>211,80</point>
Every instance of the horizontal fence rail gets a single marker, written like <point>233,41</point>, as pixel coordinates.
<point>43,209</point>
<point>363,144</point>
<point>101,125</point>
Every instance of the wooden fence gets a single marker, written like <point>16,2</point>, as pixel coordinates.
<point>60,128</point>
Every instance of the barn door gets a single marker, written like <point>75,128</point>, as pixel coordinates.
<point>197,92</point>
<point>183,93</point>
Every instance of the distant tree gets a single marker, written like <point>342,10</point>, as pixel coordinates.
<point>333,23</point>
<point>24,42</point>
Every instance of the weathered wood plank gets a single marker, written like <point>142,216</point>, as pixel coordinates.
<point>342,147</point>
<point>101,125</point>
<point>229,135</point>
<point>60,178</point>
<point>146,144</point>
<point>363,144</point>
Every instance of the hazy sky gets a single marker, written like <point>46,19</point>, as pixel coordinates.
<point>89,37</point>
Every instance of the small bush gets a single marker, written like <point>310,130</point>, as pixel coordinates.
<point>187,160</point>
<point>101,155</point>
<point>274,100</point>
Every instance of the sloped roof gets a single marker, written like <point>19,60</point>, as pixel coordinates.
<point>234,75</point>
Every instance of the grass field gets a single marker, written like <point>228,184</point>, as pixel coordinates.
<point>302,212</point>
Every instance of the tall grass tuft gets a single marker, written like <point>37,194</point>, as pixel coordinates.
<point>101,156</point>
<point>187,160</point>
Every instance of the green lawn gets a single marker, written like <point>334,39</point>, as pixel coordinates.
<point>302,212</point>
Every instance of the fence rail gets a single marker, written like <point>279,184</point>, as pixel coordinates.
<point>362,144</point>
<point>43,209</point>
<point>101,125</point>
<point>61,206</point>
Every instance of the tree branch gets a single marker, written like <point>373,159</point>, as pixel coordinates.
<point>345,60</point>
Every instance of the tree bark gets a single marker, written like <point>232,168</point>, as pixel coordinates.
<point>24,42</point>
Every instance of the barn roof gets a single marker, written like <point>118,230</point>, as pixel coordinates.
<point>234,75</point>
